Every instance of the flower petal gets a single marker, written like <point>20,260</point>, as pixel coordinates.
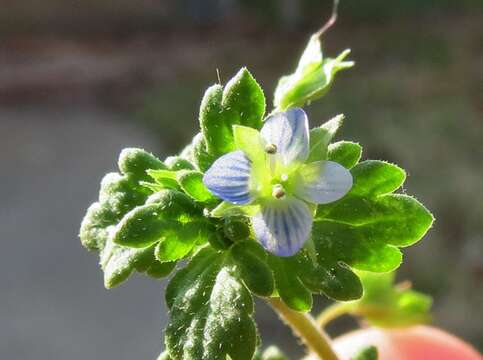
<point>289,131</point>
<point>283,226</point>
<point>323,182</point>
<point>228,178</point>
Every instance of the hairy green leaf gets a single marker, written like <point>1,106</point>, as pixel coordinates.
<point>225,209</point>
<point>312,78</point>
<point>136,161</point>
<point>170,219</point>
<point>163,179</point>
<point>118,262</point>
<point>236,228</point>
<point>158,220</point>
<point>363,230</point>
<point>374,177</point>
<point>366,227</point>
<point>287,273</point>
<point>191,181</point>
<point>119,194</point>
<point>250,260</point>
<point>211,310</point>
<point>298,276</point>
<point>249,141</point>
<point>345,153</point>
<point>198,153</point>
<point>160,270</point>
<point>321,137</point>
<point>178,163</point>
<point>240,102</point>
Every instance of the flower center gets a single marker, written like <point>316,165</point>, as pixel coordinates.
<point>278,191</point>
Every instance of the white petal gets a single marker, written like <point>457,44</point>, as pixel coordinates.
<point>323,182</point>
<point>283,226</point>
<point>229,178</point>
<point>289,132</point>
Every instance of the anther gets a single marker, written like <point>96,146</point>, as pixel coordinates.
<point>271,148</point>
<point>278,191</point>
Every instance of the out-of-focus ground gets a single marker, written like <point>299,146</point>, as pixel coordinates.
<point>78,82</point>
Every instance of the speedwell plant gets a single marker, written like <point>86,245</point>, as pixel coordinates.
<point>260,205</point>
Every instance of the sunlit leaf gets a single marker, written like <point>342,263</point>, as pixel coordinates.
<point>119,194</point>
<point>345,153</point>
<point>321,137</point>
<point>211,311</point>
<point>240,102</point>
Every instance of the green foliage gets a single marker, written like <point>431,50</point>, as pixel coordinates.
<point>176,163</point>
<point>187,180</point>
<point>363,231</point>
<point>290,288</point>
<point>119,194</point>
<point>299,276</point>
<point>236,228</point>
<point>385,304</point>
<point>136,161</point>
<point>211,310</point>
<point>321,137</point>
<point>164,179</point>
<point>366,227</point>
<point>240,102</point>
<point>153,214</point>
<point>197,153</point>
<point>345,153</point>
<point>368,353</point>
<point>250,261</point>
<point>170,219</point>
<point>312,78</point>
<point>226,209</point>
<point>165,213</point>
<point>191,182</point>
<point>249,141</point>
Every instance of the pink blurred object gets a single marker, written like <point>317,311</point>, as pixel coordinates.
<point>415,343</point>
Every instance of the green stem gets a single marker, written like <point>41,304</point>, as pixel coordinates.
<point>304,326</point>
<point>332,312</point>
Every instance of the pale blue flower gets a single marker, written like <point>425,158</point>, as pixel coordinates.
<point>271,174</point>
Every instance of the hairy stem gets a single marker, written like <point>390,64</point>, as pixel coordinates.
<point>305,327</point>
<point>332,312</point>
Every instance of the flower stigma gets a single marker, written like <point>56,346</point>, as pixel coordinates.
<point>278,191</point>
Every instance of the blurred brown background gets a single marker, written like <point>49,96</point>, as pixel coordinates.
<point>80,80</point>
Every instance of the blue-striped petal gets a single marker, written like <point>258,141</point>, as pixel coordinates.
<point>228,178</point>
<point>323,182</point>
<point>283,226</point>
<point>289,132</point>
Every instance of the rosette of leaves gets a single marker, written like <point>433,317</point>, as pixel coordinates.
<point>154,213</point>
